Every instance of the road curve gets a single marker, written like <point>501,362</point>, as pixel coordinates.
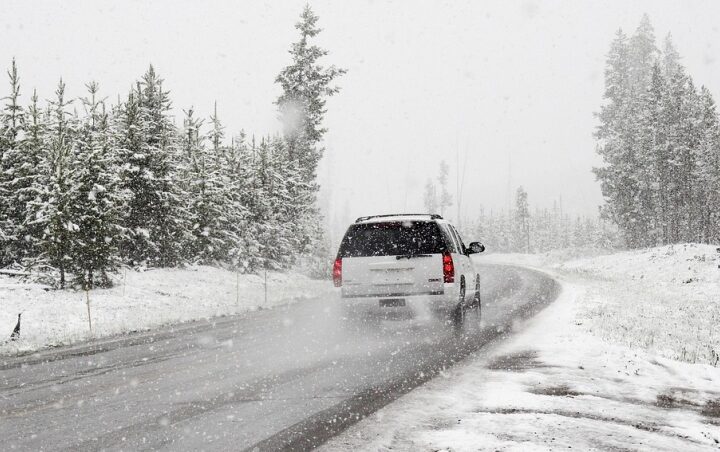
<point>287,378</point>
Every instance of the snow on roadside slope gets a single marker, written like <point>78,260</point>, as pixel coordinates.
<point>684,263</point>
<point>144,300</point>
<point>664,299</point>
<point>552,386</point>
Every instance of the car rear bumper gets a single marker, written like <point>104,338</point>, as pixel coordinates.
<point>396,303</point>
<point>396,295</point>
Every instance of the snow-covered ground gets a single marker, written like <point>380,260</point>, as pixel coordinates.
<point>600,368</point>
<point>139,301</point>
<point>665,299</point>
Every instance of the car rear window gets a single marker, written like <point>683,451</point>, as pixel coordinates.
<point>392,239</point>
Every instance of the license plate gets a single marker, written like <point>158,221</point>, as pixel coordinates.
<point>392,302</point>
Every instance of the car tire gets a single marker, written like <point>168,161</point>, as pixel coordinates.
<point>458,314</point>
<point>477,300</point>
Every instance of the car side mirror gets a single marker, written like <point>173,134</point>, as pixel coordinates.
<point>476,247</point>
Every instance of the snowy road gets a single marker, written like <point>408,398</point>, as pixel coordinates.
<point>285,378</point>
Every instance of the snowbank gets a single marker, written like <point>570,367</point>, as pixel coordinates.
<point>139,301</point>
<point>665,299</point>
<point>671,264</point>
<point>553,386</point>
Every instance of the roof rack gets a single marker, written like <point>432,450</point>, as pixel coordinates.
<point>432,216</point>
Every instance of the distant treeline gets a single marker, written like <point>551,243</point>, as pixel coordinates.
<point>659,137</point>
<point>540,230</point>
<point>86,186</point>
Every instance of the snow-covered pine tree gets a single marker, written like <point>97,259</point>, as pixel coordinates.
<point>293,215</point>
<point>264,224</point>
<point>51,209</point>
<point>194,178</point>
<point>294,199</point>
<point>477,229</point>
<point>249,166</point>
<point>657,139</point>
<point>97,200</point>
<point>306,84</point>
<point>216,137</point>
<point>238,172</point>
<point>654,130</point>
<point>445,198</point>
<point>229,166</point>
<point>579,238</point>
<point>211,206</point>
<point>642,55</point>
<point>156,220</point>
<point>30,179</point>
<point>612,135</point>
<point>12,205</point>
<point>430,197</point>
<point>127,139</point>
<point>634,193</point>
<point>707,170</point>
<point>542,230</point>
<point>644,177</point>
<point>692,132</point>
<point>679,113</point>
<point>503,227</point>
<point>624,180</point>
<point>521,225</point>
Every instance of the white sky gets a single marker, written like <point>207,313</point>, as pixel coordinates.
<point>495,82</point>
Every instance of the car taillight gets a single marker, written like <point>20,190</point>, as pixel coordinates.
<point>337,272</point>
<point>448,268</point>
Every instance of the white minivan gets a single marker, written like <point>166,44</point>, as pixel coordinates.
<point>415,261</point>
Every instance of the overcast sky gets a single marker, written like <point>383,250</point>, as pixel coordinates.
<point>508,88</point>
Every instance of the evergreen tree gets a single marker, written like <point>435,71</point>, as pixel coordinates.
<point>156,220</point>
<point>658,139</point>
<point>12,179</point>
<point>294,199</point>
<point>614,135</point>
<point>97,200</point>
<point>707,171</point>
<point>237,172</point>
<point>80,195</point>
<point>430,197</point>
<point>445,199</point>
<point>264,220</point>
<point>306,84</point>
<point>642,55</point>
<point>51,210</point>
<point>521,226</point>
<point>230,176</point>
<point>211,208</point>
<point>31,179</point>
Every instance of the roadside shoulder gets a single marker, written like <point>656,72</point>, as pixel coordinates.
<point>141,305</point>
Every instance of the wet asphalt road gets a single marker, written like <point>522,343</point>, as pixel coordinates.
<point>287,378</point>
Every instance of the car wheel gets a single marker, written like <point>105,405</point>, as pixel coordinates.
<point>477,301</point>
<point>458,315</point>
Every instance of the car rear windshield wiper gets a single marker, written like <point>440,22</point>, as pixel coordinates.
<point>411,256</point>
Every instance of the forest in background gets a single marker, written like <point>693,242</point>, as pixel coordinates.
<point>659,137</point>
<point>538,230</point>
<point>87,186</point>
